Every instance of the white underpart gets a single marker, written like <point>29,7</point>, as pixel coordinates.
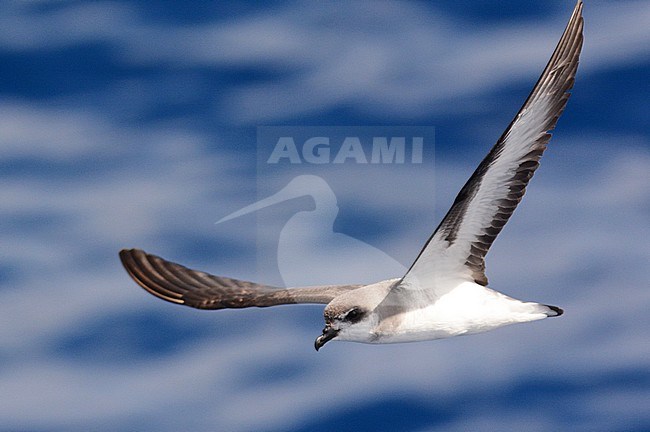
<point>468,308</point>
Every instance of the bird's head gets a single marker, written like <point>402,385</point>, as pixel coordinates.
<point>352,316</point>
<point>347,323</point>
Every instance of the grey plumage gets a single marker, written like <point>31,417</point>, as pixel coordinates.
<point>178,284</point>
<point>546,103</point>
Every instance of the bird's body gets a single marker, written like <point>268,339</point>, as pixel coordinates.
<point>444,293</point>
<point>466,308</point>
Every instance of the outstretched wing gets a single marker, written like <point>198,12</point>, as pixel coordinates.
<point>178,284</point>
<point>458,246</point>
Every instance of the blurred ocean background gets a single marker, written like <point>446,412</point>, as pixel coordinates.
<point>135,124</point>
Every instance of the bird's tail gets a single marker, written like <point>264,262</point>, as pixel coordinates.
<point>552,311</point>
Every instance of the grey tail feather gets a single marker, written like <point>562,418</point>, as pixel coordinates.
<point>554,311</point>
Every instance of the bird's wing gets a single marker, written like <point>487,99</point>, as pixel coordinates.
<point>457,248</point>
<point>178,284</point>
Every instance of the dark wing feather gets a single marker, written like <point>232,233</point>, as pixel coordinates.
<point>485,203</point>
<point>178,284</point>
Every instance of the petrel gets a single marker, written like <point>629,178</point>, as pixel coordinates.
<point>445,291</point>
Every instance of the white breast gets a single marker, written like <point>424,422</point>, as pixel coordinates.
<point>467,308</point>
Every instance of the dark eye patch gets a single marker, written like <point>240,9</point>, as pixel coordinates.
<point>353,315</point>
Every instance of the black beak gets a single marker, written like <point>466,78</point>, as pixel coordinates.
<point>328,334</point>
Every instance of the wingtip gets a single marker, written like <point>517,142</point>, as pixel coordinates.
<point>130,258</point>
<point>142,268</point>
<point>126,252</point>
<point>124,255</point>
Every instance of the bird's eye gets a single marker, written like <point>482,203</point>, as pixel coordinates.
<point>353,315</point>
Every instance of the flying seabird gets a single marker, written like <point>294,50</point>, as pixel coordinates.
<point>444,293</point>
